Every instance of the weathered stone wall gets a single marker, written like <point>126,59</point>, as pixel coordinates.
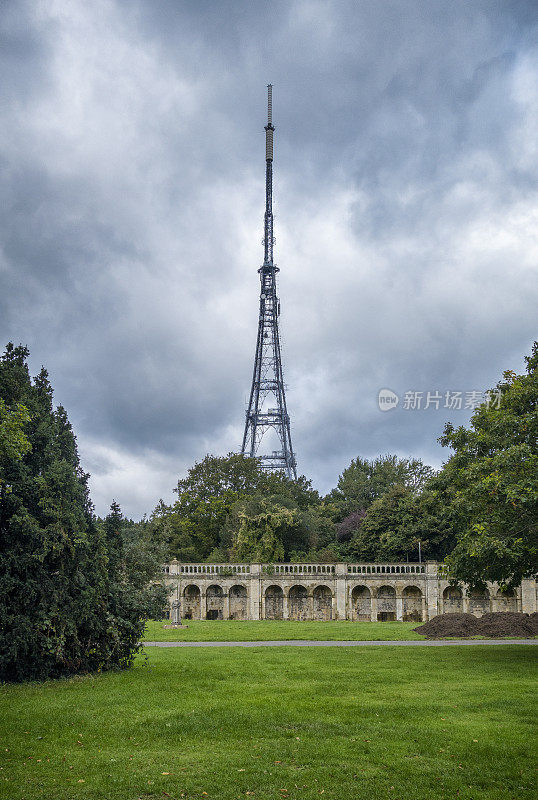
<point>358,592</point>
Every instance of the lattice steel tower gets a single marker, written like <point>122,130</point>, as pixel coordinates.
<point>267,404</point>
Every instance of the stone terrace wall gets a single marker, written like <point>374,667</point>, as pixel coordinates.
<point>358,592</point>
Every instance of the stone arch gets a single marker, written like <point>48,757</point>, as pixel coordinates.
<point>238,602</point>
<point>214,602</point>
<point>479,602</point>
<point>452,600</point>
<point>361,604</point>
<point>506,600</point>
<point>323,603</point>
<point>386,604</point>
<point>298,602</point>
<point>412,604</point>
<point>191,602</point>
<point>274,602</point>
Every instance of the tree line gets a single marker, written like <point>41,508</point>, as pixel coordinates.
<point>479,512</point>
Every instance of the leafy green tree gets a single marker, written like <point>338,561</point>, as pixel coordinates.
<point>292,529</point>
<point>397,521</point>
<point>492,480</point>
<point>364,481</point>
<point>197,527</point>
<point>259,536</point>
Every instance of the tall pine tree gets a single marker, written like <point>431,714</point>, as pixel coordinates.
<point>56,613</point>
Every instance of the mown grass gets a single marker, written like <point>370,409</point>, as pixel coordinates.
<point>270,630</point>
<point>220,724</point>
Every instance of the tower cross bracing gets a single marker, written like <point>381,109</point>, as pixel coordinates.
<point>267,408</point>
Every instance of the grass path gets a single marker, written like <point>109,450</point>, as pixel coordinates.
<point>269,630</point>
<point>329,723</point>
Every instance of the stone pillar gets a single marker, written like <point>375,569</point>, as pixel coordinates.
<point>374,607</point>
<point>399,607</point>
<point>311,603</point>
<point>528,596</point>
<point>424,609</point>
<point>226,605</point>
<point>285,604</point>
<point>340,588</point>
<point>465,599</point>
<point>432,589</point>
<point>255,584</point>
<point>203,603</point>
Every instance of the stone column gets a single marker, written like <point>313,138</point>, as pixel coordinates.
<point>226,605</point>
<point>432,589</point>
<point>374,607</point>
<point>255,590</point>
<point>285,604</point>
<point>203,603</point>
<point>465,599</point>
<point>311,603</point>
<point>340,587</point>
<point>528,596</point>
<point>399,607</point>
<point>424,609</point>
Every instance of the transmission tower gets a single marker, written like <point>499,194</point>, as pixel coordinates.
<point>267,404</point>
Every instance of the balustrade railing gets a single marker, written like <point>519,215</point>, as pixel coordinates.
<point>224,570</point>
<point>386,569</point>
<point>214,569</point>
<point>299,569</point>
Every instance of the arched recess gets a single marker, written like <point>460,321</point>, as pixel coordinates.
<point>412,604</point>
<point>298,603</point>
<point>323,603</point>
<point>214,602</point>
<point>506,600</point>
<point>274,603</point>
<point>452,600</point>
<point>386,604</point>
<point>361,604</point>
<point>479,602</point>
<point>191,602</point>
<point>238,602</point>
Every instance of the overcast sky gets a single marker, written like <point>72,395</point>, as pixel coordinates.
<point>131,212</point>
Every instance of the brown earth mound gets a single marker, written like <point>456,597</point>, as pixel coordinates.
<point>495,625</point>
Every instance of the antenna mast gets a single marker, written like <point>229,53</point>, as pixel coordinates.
<point>267,381</point>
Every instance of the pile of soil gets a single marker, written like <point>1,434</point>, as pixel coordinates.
<point>494,625</point>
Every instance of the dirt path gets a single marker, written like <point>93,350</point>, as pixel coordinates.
<point>314,643</point>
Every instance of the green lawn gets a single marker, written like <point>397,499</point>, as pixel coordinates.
<point>220,724</point>
<point>266,630</point>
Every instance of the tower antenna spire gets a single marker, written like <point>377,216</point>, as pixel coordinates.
<point>267,403</point>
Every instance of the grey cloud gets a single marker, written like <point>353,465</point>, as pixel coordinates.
<point>132,203</point>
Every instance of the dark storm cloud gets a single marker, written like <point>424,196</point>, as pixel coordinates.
<point>132,201</point>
